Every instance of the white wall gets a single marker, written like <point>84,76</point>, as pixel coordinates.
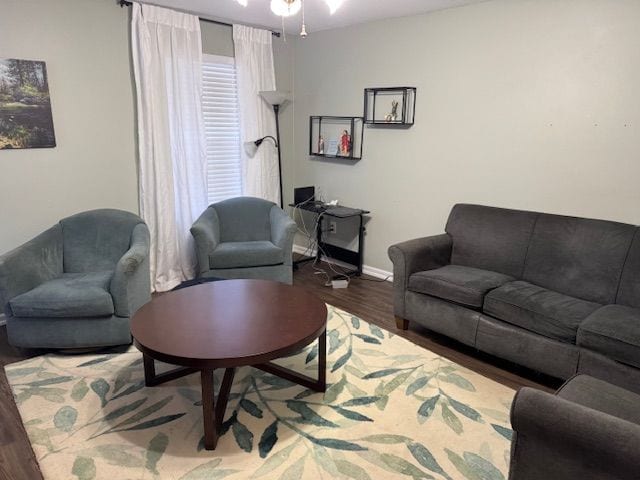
<point>525,104</point>
<point>86,48</point>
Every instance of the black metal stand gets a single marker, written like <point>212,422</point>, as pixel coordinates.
<point>334,251</point>
<point>276,110</point>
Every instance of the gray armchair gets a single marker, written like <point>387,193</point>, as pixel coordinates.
<point>245,237</point>
<point>77,284</point>
<point>589,429</point>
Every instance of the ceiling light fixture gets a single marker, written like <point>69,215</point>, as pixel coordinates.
<point>285,8</point>
<point>289,8</point>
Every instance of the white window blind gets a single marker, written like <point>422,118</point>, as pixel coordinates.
<point>222,127</point>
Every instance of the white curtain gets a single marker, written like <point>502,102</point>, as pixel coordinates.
<point>254,67</point>
<point>167,60</point>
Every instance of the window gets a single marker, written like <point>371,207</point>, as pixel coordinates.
<point>222,127</point>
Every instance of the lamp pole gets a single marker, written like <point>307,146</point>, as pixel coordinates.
<point>276,109</point>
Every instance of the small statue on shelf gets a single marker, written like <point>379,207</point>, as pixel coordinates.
<point>393,116</point>
<point>321,145</point>
<point>345,143</point>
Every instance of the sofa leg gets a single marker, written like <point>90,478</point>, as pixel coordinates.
<point>402,323</point>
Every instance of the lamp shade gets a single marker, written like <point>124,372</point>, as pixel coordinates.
<point>275,97</point>
<point>250,149</point>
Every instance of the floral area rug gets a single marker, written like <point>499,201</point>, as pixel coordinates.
<point>391,410</point>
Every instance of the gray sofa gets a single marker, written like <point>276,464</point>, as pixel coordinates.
<point>556,294</point>
<point>245,237</point>
<point>589,429</point>
<point>77,284</point>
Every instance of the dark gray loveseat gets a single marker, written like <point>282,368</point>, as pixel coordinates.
<point>556,294</point>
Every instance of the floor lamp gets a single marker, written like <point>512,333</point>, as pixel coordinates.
<point>275,99</point>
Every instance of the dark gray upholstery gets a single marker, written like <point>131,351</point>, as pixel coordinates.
<point>602,396</point>
<point>600,366</point>
<point>464,285</point>
<point>412,256</point>
<point>77,284</point>
<point>589,430</point>
<point>490,238</point>
<point>244,237</point>
<point>520,346</point>
<point>441,316</point>
<point>579,257</point>
<point>538,310</point>
<point>629,291</point>
<point>562,272</point>
<point>613,331</point>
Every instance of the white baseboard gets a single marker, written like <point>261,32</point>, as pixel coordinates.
<point>366,269</point>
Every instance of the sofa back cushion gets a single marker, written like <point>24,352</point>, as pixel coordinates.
<point>579,257</point>
<point>490,238</point>
<point>94,241</point>
<point>629,291</point>
<point>244,219</point>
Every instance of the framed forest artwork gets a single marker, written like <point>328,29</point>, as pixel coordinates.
<point>25,108</point>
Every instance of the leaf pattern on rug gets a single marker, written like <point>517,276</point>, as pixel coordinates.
<point>391,409</point>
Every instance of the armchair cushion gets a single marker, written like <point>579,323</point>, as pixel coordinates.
<point>614,331</point>
<point>538,310</point>
<point>246,254</point>
<point>602,396</point>
<point>464,285</point>
<point>70,295</point>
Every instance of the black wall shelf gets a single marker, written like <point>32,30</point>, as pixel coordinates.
<point>379,106</point>
<point>336,137</point>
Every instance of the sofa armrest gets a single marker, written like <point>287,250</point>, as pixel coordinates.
<point>416,255</point>
<point>206,235</point>
<point>283,230</point>
<point>29,265</point>
<point>559,439</point>
<point>131,282</point>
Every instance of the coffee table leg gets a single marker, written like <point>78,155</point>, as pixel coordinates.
<point>151,378</point>
<point>208,409</point>
<point>319,385</point>
<point>322,361</point>
<point>213,413</point>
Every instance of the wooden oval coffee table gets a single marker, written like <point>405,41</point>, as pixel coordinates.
<point>228,324</point>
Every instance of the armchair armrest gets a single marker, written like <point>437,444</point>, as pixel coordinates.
<point>29,265</point>
<point>206,235</point>
<point>131,283</point>
<point>283,230</point>
<point>559,439</point>
<point>416,255</point>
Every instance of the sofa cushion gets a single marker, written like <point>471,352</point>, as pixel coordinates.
<point>464,285</point>
<point>602,396</point>
<point>490,238</point>
<point>538,310</point>
<point>70,295</point>
<point>579,257</point>
<point>245,254</point>
<point>614,331</point>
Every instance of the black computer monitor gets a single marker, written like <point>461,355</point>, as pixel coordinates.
<point>304,195</point>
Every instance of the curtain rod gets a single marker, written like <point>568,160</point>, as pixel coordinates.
<point>127,3</point>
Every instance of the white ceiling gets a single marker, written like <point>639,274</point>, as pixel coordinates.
<point>317,16</point>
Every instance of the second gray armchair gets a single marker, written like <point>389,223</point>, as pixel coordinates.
<point>245,237</point>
